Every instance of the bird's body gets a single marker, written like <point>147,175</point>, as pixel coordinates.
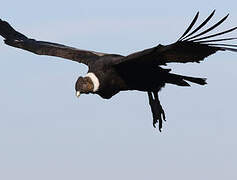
<point>109,74</point>
<point>115,78</point>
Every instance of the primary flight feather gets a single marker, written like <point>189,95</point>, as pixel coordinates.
<point>109,74</point>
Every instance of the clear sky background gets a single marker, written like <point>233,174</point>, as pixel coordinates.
<point>47,133</point>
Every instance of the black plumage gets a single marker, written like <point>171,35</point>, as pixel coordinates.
<point>109,74</point>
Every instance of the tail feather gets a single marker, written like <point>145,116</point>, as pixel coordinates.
<point>200,81</point>
<point>181,80</point>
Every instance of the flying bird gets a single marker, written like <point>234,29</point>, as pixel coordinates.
<point>108,74</point>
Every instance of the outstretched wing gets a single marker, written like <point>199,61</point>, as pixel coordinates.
<point>18,40</point>
<point>191,46</point>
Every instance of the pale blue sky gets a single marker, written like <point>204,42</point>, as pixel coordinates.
<point>47,133</point>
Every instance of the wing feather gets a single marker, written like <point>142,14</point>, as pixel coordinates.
<point>200,26</point>
<point>216,40</point>
<point>18,40</point>
<point>187,49</point>
<point>214,35</point>
<point>209,29</point>
<point>190,26</point>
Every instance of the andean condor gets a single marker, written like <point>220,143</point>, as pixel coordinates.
<point>109,74</point>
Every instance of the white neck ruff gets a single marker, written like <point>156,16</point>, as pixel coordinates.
<point>94,80</point>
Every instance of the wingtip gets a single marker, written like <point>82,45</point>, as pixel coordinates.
<point>213,12</point>
<point>197,14</point>
<point>226,16</point>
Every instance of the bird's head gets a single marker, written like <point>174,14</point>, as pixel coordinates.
<point>87,84</point>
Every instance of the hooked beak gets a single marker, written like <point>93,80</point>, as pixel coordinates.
<point>78,93</point>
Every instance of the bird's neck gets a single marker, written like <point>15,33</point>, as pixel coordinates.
<point>95,81</point>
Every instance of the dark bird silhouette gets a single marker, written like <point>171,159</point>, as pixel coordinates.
<point>109,74</point>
